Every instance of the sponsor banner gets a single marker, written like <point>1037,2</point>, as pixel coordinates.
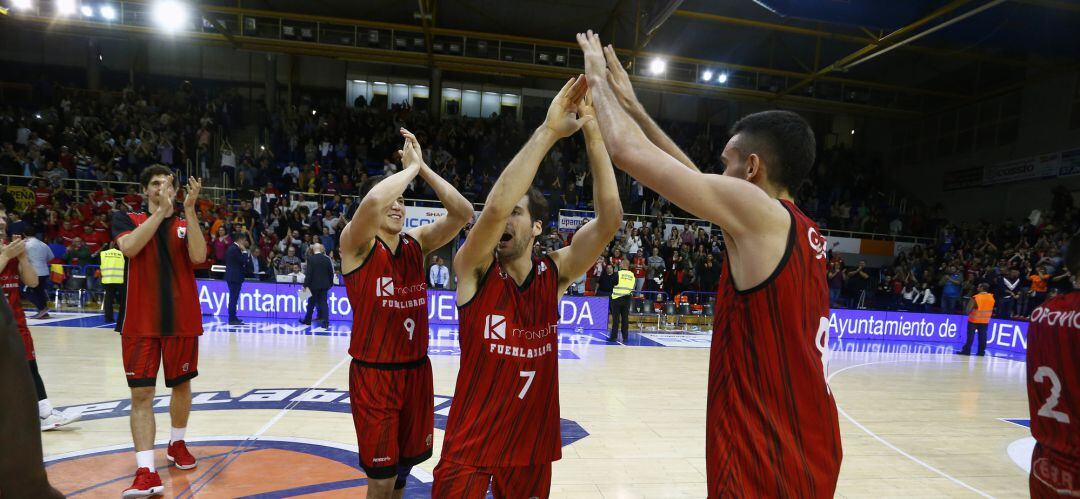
<point>899,247</point>
<point>845,244</point>
<point>1070,163</point>
<point>844,324</point>
<point>24,197</point>
<point>1011,171</point>
<point>282,301</point>
<point>415,216</point>
<point>570,220</point>
<point>963,178</point>
<point>1048,165</point>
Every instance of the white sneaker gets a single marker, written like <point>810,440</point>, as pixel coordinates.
<point>57,419</point>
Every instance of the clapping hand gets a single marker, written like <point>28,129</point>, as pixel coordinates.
<point>562,116</point>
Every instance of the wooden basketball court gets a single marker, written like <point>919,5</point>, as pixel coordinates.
<point>270,418</point>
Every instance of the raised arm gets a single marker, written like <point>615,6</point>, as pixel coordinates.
<point>477,252</point>
<point>16,250</point>
<point>736,205</point>
<point>358,236</point>
<point>619,81</point>
<point>196,241</point>
<point>593,237</point>
<point>459,210</point>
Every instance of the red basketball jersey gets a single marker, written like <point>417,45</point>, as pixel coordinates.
<point>772,425</point>
<point>388,294</point>
<point>9,280</point>
<point>506,401</point>
<point>162,299</point>
<point>1054,378</point>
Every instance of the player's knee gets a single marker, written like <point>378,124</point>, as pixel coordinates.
<point>143,395</point>
<point>381,487</point>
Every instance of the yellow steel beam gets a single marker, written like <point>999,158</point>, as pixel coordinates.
<point>887,40</point>
<point>855,39</point>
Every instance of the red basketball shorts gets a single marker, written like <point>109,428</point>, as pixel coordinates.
<point>143,355</point>
<point>453,480</point>
<point>393,411</point>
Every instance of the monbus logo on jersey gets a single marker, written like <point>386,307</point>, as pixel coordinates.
<point>495,327</point>
<point>384,286</point>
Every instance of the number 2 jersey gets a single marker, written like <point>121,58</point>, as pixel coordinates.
<point>772,422</point>
<point>388,294</point>
<point>1053,367</point>
<point>506,402</point>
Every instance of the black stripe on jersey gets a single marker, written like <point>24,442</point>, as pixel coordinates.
<point>792,406</point>
<point>165,274</point>
<point>779,267</point>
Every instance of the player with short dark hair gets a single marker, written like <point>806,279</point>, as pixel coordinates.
<point>163,319</point>
<point>772,427</point>
<point>503,427</point>
<point>390,381</point>
<point>1053,353</point>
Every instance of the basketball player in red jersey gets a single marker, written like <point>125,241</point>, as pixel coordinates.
<point>390,377</point>
<point>1054,389</point>
<point>15,272</point>
<point>503,427</point>
<point>164,320</point>
<point>772,426</point>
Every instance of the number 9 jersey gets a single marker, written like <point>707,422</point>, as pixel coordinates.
<point>1053,368</point>
<point>388,294</point>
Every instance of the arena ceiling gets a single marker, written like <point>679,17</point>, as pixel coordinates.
<point>942,52</point>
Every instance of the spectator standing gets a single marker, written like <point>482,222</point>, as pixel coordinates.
<point>836,282</point>
<point>40,255</point>
<point>318,279</point>
<point>640,269</point>
<point>979,309</point>
<point>112,279</point>
<point>237,266</point>
<point>950,290</point>
<point>1009,293</point>
<point>607,281</point>
<point>1040,284</point>
<point>438,274</point>
<point>858,284</point>
<point>620,303</point>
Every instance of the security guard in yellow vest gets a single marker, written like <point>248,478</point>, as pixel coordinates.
<point>112,278</point>
<point>979,309</point>
<point>620,302</point>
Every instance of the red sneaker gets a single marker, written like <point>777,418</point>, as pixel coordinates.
<point>180,457</point>
<point>147,483</point>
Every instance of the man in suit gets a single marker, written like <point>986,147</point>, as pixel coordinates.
<point>318,279</point>
<point>259,264</point>
<point>438,274</point>
<point>237,265</point>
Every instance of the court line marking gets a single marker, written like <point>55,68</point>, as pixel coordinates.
<point>891,446</point>
<point>220,466</point>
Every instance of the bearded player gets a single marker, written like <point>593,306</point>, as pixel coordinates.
<point>390,378</point>
<point>1054,389</point>
<point>15,272</point>
<point>503,427</point>
<point>772,428</point>
<point>163,320</point>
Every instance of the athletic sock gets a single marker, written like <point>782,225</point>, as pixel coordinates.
<point>44,408</point>
<point>145,459</point>
<point>177,434</point>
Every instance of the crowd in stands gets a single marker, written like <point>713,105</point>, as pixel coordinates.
<point>295,191</point>
<point>1021,261</point>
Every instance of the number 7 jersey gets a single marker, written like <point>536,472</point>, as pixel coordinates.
<point>506,401</point>
<point>388,295</point>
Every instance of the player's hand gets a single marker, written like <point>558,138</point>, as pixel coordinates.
<point>166,196</point>
<point>411,155</point>
<point>193,188</point>
<point>588,112</point>
<point>562,117</point>
<point>595,65</point>
<point>620,80</point>
<point>14,249</point>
